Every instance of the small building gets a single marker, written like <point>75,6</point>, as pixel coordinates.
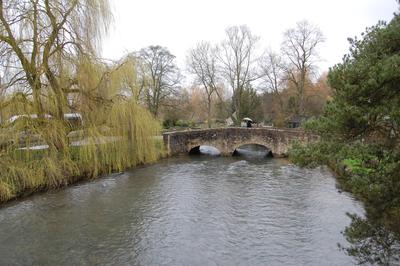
<point>295,121</point>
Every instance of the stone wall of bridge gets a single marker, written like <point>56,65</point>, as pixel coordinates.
<point>226,140</point>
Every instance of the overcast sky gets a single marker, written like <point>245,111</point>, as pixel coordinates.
<point>180,24</point>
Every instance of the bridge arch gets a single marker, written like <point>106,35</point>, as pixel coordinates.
<point>204,149</point>
<point>194,150</point>
<point>251,149</point>
<point>198,143</point>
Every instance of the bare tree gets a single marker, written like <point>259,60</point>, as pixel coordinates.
<point>202,62</point>
<point>300,49</point>
<point>238,59</point>
<point>159,76</point>
<point>273,73</point>
<point>40,39</point>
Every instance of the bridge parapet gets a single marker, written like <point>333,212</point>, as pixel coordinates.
<point>226,140</point>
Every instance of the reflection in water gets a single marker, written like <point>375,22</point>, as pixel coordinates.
<point>185,211</point>
<point>253,151</point>
<point>209,150</point>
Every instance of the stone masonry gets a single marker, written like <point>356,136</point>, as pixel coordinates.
<point>226,140</point>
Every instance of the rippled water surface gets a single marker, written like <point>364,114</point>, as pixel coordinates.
<point>184,211</point>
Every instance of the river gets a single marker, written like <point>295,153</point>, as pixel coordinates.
<point>189,210</point>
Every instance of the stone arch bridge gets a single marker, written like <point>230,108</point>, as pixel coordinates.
<point>227,140</point>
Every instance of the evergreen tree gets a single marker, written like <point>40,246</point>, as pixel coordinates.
<point>360,137</point>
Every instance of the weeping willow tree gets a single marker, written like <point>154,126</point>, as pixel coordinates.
<point>48,51</point>
<point>120,133</point>
<point>42,39</point>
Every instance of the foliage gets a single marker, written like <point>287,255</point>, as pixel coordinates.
<point>279,106</point>
<point>371,243</point>
<point>128,142</point>
<point>237,60</point>
<point>367,97</point>
<point>40,43</point>
<point>356,167</point>
<point>51,70</point>
<point>250,104</point>
<point>168,123</point>
<point>159,77</point>
<point>360,138</point>
<point>202,63</point>
<point>300,49</point>
<point>236,66</point>
<point>311,155</point>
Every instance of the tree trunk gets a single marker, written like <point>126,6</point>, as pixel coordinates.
<point>209,111</point>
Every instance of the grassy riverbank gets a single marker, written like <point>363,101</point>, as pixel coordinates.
<point>42,172</point>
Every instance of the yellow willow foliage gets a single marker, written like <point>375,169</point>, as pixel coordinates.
<point>116,134</point>
<point>5,192</point>
<point>35,174</point>
<point>27,170</point>
<point>15,104</point>
<point>91,87</point>
<point>126,139</point>
<point>130,140</point>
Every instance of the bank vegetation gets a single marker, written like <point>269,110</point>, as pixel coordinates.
<point>66,114</point>
<point>359,133</point>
